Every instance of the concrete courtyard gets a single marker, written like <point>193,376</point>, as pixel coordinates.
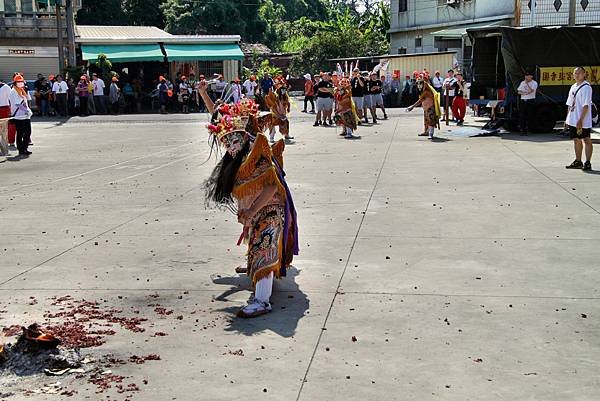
<point>459,269</point>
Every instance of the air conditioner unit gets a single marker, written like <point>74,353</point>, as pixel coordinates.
<point>452,3</point>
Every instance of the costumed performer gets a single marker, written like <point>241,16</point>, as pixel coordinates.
<point>345,115</point>
<point>429,99</point>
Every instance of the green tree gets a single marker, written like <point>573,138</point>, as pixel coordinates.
<point>214,17</point>
<point>106,12</point>
<point>145,12</point>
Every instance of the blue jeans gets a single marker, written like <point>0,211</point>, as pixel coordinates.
<point>44,107</point>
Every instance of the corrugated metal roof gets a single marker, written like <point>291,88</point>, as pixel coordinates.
<point>94,32</point>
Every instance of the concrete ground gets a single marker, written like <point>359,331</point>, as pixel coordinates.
<point>459,269</point>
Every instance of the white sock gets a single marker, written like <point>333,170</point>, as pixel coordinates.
<point>431,132</point>
<point>348,131</point>
<point>264,288</point>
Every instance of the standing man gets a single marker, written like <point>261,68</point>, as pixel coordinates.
<point>309,93</point>
<point>376,97</point>
<point>357,83</point>
<point>266,84</point>
<point>21,114</point>
<point>324,101</point>
<point>59,90</point>
<point>448,86</point>
<point>437,82</point>
<point>396,90</point>
<point>99,103</point>
<point>459,104</point>
<point>250,87</point>
<point>527,89</point>
<point>579,119</point>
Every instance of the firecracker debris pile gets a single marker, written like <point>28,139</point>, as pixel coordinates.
<point>56,349</point>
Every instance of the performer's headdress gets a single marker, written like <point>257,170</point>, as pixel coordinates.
<point>233,118</point>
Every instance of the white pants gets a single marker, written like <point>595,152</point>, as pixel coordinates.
<point>264,288</point>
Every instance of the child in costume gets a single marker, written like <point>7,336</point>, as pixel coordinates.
<point>345,115</point>
<point>429,99</point>
<point>278,103</point>
<point>250,180</point>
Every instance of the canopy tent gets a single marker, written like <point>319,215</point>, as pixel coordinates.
<point>204,52</point>
<point>123,53</point>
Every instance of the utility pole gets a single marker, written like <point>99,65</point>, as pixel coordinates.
<point>70,32</point>
<point>533,12</point>
<point>61,50</point>
<point>572,9</point>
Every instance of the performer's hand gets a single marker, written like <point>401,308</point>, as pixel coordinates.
<point>579,125</point>
<point>203,86</point>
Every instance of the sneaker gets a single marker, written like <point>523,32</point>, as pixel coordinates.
<point>366,120</point>
<point>587,166</point>
<point>460,123</point>
<point>312,112</point>
<point>385,117</point>
<point>316,124</point>
<point>303,111</point>
<point>325,124</point>
<point>330,121</point>
<point>254,308</point>
<point>577,164</point>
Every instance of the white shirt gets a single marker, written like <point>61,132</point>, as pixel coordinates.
<point>576,104</point>
<point>16,101</point>
<point>438,82</point>
<point>525,87</point>
<point>4,95</point>
<point>98,87</point>
<point>449,81</point>
<point>60,87</point>
<point>250,87</point>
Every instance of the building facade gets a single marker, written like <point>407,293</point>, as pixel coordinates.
<point>28,37</point>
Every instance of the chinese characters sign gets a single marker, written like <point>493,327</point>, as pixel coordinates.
<point>558,76</point>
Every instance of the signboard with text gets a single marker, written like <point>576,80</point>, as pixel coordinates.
<point>559,76</point>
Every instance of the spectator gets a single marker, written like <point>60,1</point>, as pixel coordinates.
<point>266,84</point>
<point>184,94</point>
<point>72,100</point>
<point>368,99</point>
<point>220,86</point>
<point>59,90</point>
<point>114,95</point>
<point>4,100</point>
<point>250,86</point>
<point>309,93</point>
<point>98,94</point>
<point>82,91</point>
<point>406,91</point>
<point>129,97</point>
<point>193,83</point>
<point>396,90</point>
<point>45,91</point>
<point>357,84</point>
<point>137,94</point>
<point>236,90</point>
<point>527,89</point>
<point>438,82</point>
<point>449,90</point>
<point>387,90</point>
<point>37,86</point>
<point>376,86</point>
<point>21,114</point>
<point>579,119</point>
<point>163,94</point>
<point>199,100</point>
<point>324,101</point>
<point>459,104</point>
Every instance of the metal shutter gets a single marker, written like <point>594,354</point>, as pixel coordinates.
<point>30,66</point>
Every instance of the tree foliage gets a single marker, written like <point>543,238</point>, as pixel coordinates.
<point>121,12</point>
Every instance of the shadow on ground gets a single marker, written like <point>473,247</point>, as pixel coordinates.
<point>288,307</point>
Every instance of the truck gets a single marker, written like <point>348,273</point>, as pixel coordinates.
<point>502,55</point>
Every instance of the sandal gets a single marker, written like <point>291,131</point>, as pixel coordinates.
<point>254,308</point>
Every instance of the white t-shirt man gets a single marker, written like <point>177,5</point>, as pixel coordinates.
<point>60,87</point>
<point>579,96</point>
<point>449,81</point>
<point>4,94</point>
<point>20,103</point>
<point>529,88</point>
<point>437,81</point>
<point>98,85</point>
<point>250,87</point>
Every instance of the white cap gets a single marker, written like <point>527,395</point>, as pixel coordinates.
<point>307,76</point>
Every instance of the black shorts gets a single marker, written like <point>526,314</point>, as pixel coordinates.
<point>585,133</point>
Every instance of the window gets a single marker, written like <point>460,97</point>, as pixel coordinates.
<point>27,6</point>
<point>419,42</point>
<point>402,6</point>
<point>402,50</point>
<point>10,6</point>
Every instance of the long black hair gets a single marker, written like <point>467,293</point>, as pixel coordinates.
<point>220,184</point>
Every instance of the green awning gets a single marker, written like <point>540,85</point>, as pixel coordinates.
<point>123,53</point>
<point>204,52</point>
